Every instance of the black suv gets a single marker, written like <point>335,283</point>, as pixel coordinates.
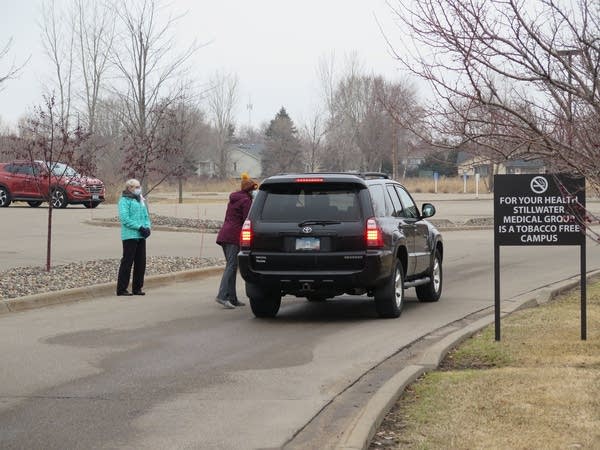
<point>318,235</point>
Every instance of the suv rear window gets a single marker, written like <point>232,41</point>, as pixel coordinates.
<point>322,201</point>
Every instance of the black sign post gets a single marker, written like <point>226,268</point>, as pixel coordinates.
<point>544,209</point>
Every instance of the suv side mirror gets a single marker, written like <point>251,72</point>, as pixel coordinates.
<point>427,210</point>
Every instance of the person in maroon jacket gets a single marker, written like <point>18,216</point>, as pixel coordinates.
<point>229,239</point>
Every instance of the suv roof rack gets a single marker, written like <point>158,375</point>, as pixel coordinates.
<point>374,175</point>
<point>358,174</point>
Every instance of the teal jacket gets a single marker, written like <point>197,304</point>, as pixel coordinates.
<point>133,214</point>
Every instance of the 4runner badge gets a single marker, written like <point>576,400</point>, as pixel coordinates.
<point>307,230</point>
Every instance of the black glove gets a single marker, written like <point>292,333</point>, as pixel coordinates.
<point>145,232</point>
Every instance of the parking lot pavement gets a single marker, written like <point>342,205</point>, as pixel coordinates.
<point>73,240</point>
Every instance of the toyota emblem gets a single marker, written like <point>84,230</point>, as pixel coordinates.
<point>307,230</point>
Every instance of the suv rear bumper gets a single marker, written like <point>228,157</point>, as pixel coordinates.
<point>376,269</point>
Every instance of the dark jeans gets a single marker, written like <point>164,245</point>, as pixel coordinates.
<point>227,287</point>
<point>134,254</point>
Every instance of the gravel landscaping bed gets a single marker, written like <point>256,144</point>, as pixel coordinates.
<point>478,222</point>
<point>23,281</point>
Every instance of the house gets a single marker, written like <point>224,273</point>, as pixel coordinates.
<point>471,165</point>
<point>246,158</point>
<point>242,158</point>
<point>411,161</point>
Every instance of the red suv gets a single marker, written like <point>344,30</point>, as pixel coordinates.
<point>37,181</point>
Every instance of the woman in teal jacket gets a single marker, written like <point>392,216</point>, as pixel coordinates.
<point>135,228</point>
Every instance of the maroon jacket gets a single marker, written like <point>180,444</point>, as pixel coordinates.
<point>237,211</point>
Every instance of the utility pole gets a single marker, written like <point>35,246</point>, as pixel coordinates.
<point>569,54</point>
<point>249,108</point>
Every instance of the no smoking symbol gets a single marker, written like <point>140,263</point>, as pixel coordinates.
<point>539,185</point>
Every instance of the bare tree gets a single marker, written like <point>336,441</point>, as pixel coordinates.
<point>94,24</point>
<point>511,78</point>
<point>313,136</point>
<point>186,131</point>
<point>399,99</point>
<point>109,130</point>
<point>150,68</point>
<point>360,115</point>
<point>326,73</point>
<point>341,152</point>
<point>361,130</point>
<point>222,99</point>
<point>12,70</point>
<point>58,41</point>
<point>46,139</point>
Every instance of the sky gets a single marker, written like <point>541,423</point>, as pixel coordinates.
<point>273,46</point>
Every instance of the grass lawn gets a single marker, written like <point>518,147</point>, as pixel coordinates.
<point>538,388</point>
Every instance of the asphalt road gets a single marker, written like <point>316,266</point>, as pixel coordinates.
<point>175,370</point>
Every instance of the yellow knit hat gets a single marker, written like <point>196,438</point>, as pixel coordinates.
<point>248,184</point>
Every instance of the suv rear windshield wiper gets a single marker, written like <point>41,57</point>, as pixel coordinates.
<point>319,222</point>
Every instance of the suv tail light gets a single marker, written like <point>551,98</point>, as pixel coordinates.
<point>246,234</point>
<point>373,234</point>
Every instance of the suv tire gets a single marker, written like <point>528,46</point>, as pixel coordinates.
<point>264,303</point>
<point>34,204</point>
<point>58,198</point>
<point>4,197</point>
<point>432,291</point>
<point>389,298</point>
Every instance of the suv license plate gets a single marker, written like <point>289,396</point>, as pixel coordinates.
<point>308,243</point>
<point>95,197</point>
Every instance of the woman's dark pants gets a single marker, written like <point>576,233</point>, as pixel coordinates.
<point>134,254</point>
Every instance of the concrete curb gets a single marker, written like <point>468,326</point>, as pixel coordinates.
<point>99,290</point>
<point>360,433</point>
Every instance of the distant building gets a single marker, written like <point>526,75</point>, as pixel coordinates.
<point>242,158</point>
<point>472,164</point>
<point>247,158</point>
<point>414,159</point>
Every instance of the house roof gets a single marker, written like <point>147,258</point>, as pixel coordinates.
<point>254,150</point>
<point>534,163</point>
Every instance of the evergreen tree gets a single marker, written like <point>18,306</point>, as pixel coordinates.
<point>283,151</point>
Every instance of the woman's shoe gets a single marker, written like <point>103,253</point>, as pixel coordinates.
<point>225,303</point>
<point>124,293</point>
<point>139,293</point>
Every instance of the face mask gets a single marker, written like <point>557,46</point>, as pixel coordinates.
<point>137,191</point>
<point>253,193</point>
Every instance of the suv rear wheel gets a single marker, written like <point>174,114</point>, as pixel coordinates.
<point>4,197</point>
<point>34,204</point>
<point>389,298</point>
<point>264,303</point>
<point>432,291</point>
